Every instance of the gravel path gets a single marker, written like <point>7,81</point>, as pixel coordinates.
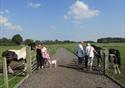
<point>66,75</point>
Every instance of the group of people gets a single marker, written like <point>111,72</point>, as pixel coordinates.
<point>85,53</point>
<point>42,56</point>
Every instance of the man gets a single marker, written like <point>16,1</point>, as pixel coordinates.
<point>80,52</point>
<point>90,54</point>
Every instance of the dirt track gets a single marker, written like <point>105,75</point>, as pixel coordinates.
<point>66,75</point>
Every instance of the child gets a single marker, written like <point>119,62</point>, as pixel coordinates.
<point>45,55</point>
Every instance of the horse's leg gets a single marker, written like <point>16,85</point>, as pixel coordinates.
<point>118,69</point>
<point>115,68</point>
<point>97,61</point>
<point>10,70</point>
<point>25,67</point>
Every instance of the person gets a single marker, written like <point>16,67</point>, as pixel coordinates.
<point>39,56</point>
<point>80,52</point>
<point>90,55</point>
<point>45,55</point>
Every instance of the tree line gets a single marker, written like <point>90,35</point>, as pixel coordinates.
<point>18,40</point>
<point>111,40</point>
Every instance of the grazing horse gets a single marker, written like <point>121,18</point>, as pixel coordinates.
<point>15,55</point>
<point>100,55</point>
<point>114,57</point>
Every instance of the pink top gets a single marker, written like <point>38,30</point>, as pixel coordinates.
<point>45,54</point>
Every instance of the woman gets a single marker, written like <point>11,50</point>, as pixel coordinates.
<point>90,53</point>
<point>39,57</point>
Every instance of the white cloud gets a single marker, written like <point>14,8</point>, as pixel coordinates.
<point>52,27</point>
<point>6,11</point>
<point>5,22</point>
<point>34,5</point>
<point>80,11</point>
<point>65,17</point>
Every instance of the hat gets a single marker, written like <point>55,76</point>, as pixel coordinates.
<point>88,44</point>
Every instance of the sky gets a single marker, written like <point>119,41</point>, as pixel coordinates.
<point>62,19</point>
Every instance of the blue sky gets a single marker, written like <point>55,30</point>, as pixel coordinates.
<point>62,19</point>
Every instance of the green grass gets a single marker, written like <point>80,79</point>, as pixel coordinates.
<point>12,82</point>
<point>1,79</point>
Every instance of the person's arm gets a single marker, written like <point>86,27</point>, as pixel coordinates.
<point>95,51</point>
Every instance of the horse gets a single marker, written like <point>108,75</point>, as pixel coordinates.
<point>114,57</point>
<point>15,55</point>
<point>100,55</point>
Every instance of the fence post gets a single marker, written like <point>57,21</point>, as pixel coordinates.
<point>106,60</point>
<point>5,73</point>
<point>28,59</point>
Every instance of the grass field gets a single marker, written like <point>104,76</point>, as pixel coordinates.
<point>72,47</point>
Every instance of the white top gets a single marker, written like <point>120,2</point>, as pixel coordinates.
<point>80,51</point>
<point>90,51</point>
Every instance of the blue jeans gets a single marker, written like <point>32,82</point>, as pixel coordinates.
<point>80,60</point>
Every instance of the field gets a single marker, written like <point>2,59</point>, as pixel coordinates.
<point>72,47</point>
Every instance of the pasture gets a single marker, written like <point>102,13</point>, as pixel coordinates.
<point>72,48</point>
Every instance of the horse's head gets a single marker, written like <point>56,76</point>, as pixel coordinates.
<point>100,51</point>
<point>32,45</point>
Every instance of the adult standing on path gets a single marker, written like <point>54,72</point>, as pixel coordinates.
<point>80,52</point>
<point>39,56</point>
<point>90,53</point>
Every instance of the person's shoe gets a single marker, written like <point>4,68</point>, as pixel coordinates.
<point>42,67</point>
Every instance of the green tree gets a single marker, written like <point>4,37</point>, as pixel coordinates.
<point>28,41</point>
<point>17,39</point>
